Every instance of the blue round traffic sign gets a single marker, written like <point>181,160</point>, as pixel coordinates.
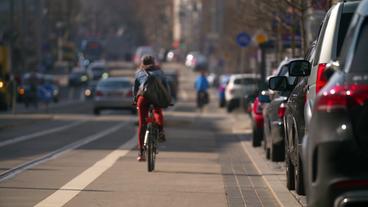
<point>243,39</point>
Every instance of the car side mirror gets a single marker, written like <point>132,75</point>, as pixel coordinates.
<point>299,68</point>
<point>331,68</point>
<point>278,83</point>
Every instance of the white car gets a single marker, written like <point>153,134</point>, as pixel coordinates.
<point>239,87</point>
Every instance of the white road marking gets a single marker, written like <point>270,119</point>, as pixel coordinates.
<point>77,184</point>
<point>54,154</point>
<point>38,134</point>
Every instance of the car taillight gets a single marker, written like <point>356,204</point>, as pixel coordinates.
<point>342,97</point>
<point>99,93</point>
<point>321,79</point>
<point>129,94</point>
<point>281,111</point>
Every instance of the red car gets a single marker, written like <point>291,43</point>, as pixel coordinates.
<point>257,117</point>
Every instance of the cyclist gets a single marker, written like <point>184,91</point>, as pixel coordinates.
<point>201,86</point>
<point>141,76</point>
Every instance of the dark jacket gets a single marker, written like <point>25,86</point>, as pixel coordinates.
<point>141,78</point>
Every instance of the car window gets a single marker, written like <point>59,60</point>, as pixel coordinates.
<point>114,84</point>
<point>283,71</point>
<point>360,57</point>
<point>344,25</point>
<point>320,38</point>
<point>348,42</point>
<point>245,81</point>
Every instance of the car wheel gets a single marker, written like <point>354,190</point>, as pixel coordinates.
<point>96,111</point>
<point>290,181</point>
<point>277,152</point>
<point>257,137</point>
<point>299,183</point>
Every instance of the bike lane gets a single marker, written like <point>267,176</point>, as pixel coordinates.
<point>201,164</point>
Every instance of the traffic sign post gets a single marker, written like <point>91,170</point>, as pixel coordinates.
<point>243,40</point>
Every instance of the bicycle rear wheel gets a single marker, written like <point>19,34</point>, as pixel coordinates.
<point>151,156</point>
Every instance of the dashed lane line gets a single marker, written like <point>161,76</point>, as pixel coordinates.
<point>54,154</point>
<point>38,134</point>
<point>77,184</point>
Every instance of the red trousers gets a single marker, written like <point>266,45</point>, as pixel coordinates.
<point>143,107</point>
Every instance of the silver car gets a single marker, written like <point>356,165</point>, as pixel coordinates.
<point>113,93</point>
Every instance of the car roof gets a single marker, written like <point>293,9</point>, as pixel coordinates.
<point>363,8</point>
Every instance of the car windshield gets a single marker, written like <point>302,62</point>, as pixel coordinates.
<point>114,84</point>
<point>360,57</point>
<point>246,81</point>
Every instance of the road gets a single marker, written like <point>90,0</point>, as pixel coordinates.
<point>65,156</point>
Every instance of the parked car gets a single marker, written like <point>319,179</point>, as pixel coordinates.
<point>273,113</point>
<point>239,87</point>
<point>257,117</point>
<point>78,78</point>
<point>330,40</point>
<point>294,126</point>
<point>113,93</point>
<point>337,145</point>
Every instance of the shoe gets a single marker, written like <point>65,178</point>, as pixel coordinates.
<point>141,157</point>
<point>161,137</point>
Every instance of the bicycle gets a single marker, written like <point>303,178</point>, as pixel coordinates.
<point>202,99</point>
<point>151,140</point>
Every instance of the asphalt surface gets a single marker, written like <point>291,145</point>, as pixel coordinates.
<point>65,156</point>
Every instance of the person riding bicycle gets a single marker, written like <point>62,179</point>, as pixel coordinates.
<point>141,77</point>
<point>201,86</point>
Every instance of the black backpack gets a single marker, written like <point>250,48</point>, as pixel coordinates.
<point>156,92</point>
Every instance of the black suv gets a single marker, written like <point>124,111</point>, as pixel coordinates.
<point>336,149</point>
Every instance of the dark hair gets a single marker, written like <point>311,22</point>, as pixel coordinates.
<point>148,60</point>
